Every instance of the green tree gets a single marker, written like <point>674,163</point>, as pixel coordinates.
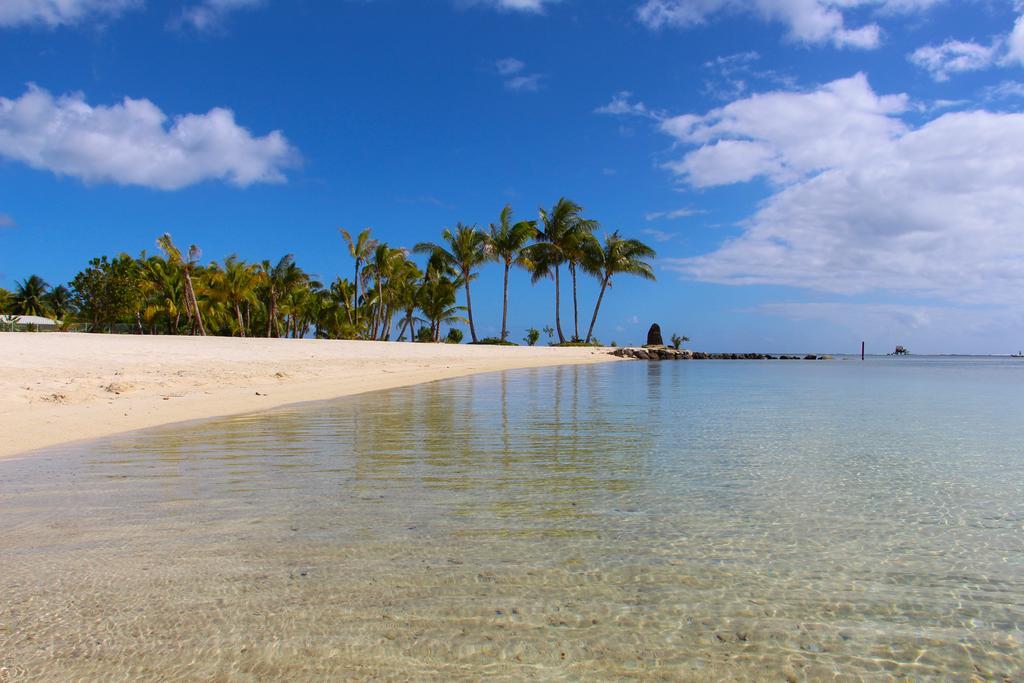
<point>6,301</point>
<point>436,299</point>
<point>59,301</point>
<point>234,285</point>
<point>467,249</point>
<point>616,256</point>
<point>360,249</point>
<point>163,289</point>
<point>507,244</point>
<point>279,281</point>
<point>532,336</point>
<point>108,292</point>
<point>559,238</point>
<point>187,267</point>
<point>30,297</point>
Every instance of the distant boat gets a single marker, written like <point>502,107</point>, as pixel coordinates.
<point>1019,354</point>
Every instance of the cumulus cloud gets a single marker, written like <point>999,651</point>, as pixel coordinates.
<point>863,201</point>
<point>807,21</point>
<point>59,12</point>
<point>1015,43</point>
<point>771,135</point>
<point>209,15</point>
<point>134,143</point>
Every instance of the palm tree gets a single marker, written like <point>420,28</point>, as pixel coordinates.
<point>436,299</point>
<point>30,296</point>
<point>6,300</point>
<point>467,249</point>
<point>235,285</point>
<point>280,281</point>
<point>507,244</point>
<point>163,291</point>
<point>616,256</point>
<point>405,283</point>
<point>359,249</point>
<point>59,300</point>
<point>187,266</point>
<point>558,243</point>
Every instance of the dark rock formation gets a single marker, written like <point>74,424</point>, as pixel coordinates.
<point>668,353</point>
<point>654,336</point>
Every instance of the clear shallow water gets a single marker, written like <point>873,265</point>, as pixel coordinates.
<point>635,520</point>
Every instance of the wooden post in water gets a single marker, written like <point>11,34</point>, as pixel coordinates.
<point>862,350</point>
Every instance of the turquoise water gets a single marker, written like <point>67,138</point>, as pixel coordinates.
<point>676,520</point>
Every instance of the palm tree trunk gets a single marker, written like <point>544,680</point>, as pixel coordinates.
<point>558,308</point>
<point>604,286</point>
<point>575,304</point>
<point>241,322</point>
<point>469,309</point>
<point>380,307</point>
<point>191,293</point>
<point>355,280</point>
<point>504,307</point>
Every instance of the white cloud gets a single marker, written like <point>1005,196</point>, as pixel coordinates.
<point>658,235</point>
<point>210,14</point>
<point>622,105</point>
<point>6,221</point>
<point>954,56</point>
<point>807,21</point>
<point>1004,90</point>
<point>59,12</point>
<point>527,6</point>
<point>1015,43</point>
<point>524,83</point>
<point>133,143</point>
<point>509,66</point>
<point>672,215</point>
<point>784,135</point>
<point>863,201</point>
<point>512,70</point>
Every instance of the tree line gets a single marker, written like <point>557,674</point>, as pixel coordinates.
<point>390,296</point>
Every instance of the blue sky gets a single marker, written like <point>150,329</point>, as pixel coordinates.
<point>811,172</point>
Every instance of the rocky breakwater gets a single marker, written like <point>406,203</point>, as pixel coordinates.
<point>669,353</point>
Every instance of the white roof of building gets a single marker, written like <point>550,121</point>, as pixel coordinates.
<point>26,320</point>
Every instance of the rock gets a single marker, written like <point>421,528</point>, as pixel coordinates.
<point>654,336</point>
<point>810,356</point>
<point>641,354</point>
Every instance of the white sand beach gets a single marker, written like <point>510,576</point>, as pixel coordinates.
<point>58,388</point>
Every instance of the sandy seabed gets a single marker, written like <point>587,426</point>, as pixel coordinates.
<point>57,388</point>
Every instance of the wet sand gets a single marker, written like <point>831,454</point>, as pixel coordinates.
<point>60,388</point>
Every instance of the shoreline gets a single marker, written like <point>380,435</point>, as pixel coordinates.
<point>61,388</point>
